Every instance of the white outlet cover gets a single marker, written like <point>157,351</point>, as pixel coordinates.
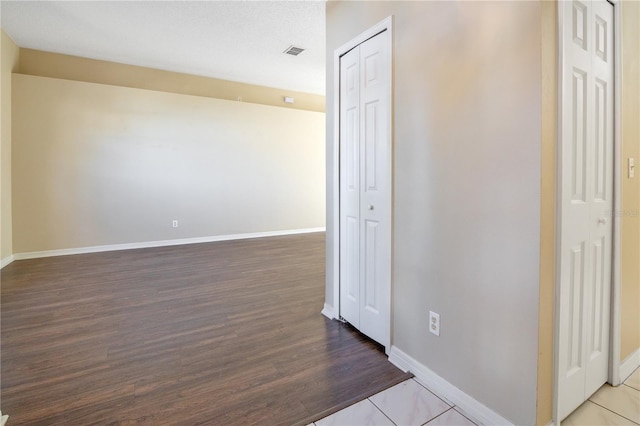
<point>434,323</point>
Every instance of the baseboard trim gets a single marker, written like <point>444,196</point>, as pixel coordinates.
<point>629,365</point>
<point>163,243</point>
<point>471,408</point>
<point>6,261</point>
<point>328,312</point>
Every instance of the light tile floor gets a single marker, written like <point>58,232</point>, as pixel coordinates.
<point>409,403</point>
<point>610,406</point>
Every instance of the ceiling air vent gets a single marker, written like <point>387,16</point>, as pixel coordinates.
<point>293,50</point>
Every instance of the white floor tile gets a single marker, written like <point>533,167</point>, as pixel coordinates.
<point>363,413</point>
<point>409,404</point>
<point>634,380</point>
<point>451,418</point>
<point>622,399</point>
<point>590,414</point>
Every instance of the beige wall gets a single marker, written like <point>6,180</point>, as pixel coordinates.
<point>467,167</point>
<point>96,164</point>
<point>630,282</point>
<point>549,31</point>
<point>46,64</point>
<point>9,63</point>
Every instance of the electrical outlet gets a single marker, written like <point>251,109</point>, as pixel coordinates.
<point>434,323</point>
<point>174,223</point>
<point>632,167</point>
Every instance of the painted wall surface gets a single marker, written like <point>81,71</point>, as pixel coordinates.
<point>95,164</point>
<point>47,64</point>
<point>548,146</point>
<point>467,164</point>
<point>9,63</point>
<point>630,118</point>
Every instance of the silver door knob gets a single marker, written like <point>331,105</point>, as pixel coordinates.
<point>602,220</point>
<point>370,207</point>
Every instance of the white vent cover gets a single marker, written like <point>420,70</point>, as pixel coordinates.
<point>293,50</point>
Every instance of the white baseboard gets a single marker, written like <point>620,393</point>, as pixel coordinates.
<point>7,260</point>
<point>629,365</point>
<point>164,243</point>
<point>328,312</point>
<point>471,408</point>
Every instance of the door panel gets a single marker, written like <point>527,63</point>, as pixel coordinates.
<point>600,142</point>
<point>579,121</point>
<point>350,187</point>
<point>372,169</point>
<point>371,244</point>
<point>351,264</point>
<point>601,232</point>
<point>368,200</point>
<point>375,204</point>
<point>596,345</point>
<point>586,201</point>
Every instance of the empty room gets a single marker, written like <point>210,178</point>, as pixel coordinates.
<point>320,212</point>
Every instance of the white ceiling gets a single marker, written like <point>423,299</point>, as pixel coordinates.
<point>232,40</point>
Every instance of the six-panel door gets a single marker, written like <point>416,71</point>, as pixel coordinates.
<point>586,201</point>
<point>365,188</point>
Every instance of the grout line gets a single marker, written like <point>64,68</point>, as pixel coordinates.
<point>614,412</point>
<point>430,420</point>
<point>629,386</point>
<point>385,414</point>
<point>435,394</point>
<point>463,415</point>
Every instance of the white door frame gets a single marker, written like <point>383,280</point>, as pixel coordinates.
<point>614,342</point>
<point>385,24</point>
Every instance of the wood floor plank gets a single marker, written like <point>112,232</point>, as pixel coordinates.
<point>225,333</point>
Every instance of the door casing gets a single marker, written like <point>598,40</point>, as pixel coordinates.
<point>385,24</point>
<point>614,343</point>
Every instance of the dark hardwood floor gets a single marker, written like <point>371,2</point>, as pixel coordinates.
<point>226,333</point>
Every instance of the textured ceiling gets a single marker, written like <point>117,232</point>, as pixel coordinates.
<point>232,40</point>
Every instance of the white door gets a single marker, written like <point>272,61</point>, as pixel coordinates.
<point>586,201</point>
<point>365,187</point>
